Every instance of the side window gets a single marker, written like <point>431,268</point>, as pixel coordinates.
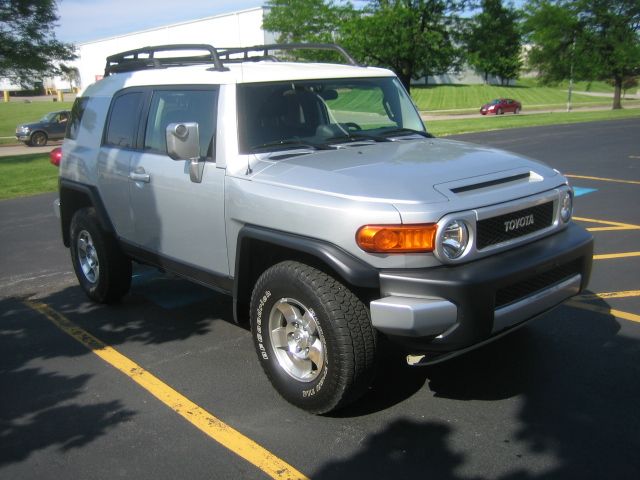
<point>77,111</point>
<point>123,120</point>
<point>172,106</point>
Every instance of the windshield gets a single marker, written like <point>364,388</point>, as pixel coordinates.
<point>317,113</point>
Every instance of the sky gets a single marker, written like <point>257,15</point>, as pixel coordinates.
<point>87,20</point>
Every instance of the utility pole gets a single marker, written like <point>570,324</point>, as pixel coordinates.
<point>573,49</point>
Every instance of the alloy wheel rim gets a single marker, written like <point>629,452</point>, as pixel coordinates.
<point>297,340</point>
<point>88,257</point>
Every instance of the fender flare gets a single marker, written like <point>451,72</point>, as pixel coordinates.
<point>350,269</point>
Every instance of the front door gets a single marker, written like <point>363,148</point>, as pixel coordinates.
<point>177,220</point>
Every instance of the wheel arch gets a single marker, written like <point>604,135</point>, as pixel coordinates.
<point>73,197</point>
<point>259,248</point>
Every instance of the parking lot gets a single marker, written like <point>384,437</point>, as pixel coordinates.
<point>165,385</point>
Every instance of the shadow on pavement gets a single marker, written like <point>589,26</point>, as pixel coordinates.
<point>42,405</point>
<point>574,379</point>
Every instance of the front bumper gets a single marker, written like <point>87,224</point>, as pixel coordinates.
<point>23,137</point>
<point>452,308</point>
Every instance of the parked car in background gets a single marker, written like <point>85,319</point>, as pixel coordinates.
<point>50,127</point>
<point>500,106</point>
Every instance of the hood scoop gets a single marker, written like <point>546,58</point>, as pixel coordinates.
<point>491,183</point>
<point>483,184</point>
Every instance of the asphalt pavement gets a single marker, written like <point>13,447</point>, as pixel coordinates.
<point>556,399</point>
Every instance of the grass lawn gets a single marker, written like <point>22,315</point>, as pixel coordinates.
<point>23,175</point>
<point>434,98</point>
<point>468,125</point>
<point>17,111</point>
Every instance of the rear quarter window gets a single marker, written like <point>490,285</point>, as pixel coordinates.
<point>77,112</point>
<point>124,120</point>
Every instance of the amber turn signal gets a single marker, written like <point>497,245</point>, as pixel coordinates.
<point>397,238</point>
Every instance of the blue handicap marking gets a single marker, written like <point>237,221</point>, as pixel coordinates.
<point>167,291</point>
<point>579,191</point>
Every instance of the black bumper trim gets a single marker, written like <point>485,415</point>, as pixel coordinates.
<point>472,287</point>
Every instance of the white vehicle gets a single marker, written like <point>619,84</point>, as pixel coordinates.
<point>311,193</point>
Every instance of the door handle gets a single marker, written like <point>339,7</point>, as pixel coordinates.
<point>140,176</point>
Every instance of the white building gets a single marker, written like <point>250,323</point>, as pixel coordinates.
<point>236,29</point>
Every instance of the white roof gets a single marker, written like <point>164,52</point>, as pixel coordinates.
<point>249,72</point>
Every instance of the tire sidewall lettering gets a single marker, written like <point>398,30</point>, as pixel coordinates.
<point>263,300</point>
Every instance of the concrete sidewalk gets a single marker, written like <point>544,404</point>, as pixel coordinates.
<point>11,150</point>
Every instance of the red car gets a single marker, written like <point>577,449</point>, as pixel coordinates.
<point>500,106</point>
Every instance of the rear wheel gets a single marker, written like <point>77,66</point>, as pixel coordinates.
<point>517,110</point>
<point>313,337</point>
<point>103,271</point>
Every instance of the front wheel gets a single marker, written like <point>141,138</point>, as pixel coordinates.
<point>38,139</point>
<point>103,271</point>
<point>313,337</point>
<point>516,111</point>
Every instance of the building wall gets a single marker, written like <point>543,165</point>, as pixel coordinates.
<point>237,29</point>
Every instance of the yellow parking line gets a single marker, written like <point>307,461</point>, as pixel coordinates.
<point>605,310</point>
<point>200,418</point>
<point>614,225</point>
<point>604,295</point>
<point>615,180</point>
<point>607,256</point>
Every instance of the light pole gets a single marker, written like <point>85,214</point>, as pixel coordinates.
<point>573,49</point>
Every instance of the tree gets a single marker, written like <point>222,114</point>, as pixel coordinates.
<point>28,47</point>
<point>412,37</point>
<point>493,41</point>
<point>585,40</point>
<point>315,21</point>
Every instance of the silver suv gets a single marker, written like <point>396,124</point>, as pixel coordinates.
<point>311,193</point>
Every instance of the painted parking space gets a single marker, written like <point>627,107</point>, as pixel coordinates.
<point>204,421</point>
<point>600,227</point>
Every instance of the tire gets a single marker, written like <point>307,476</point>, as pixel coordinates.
<point>313,337</point>
<point>499,112</point>
<point>38,139</point>
<point>516,111</point>
<point>103,271</point>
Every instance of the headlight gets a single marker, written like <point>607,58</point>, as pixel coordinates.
<point>566,207</point>
<point>454,239</point>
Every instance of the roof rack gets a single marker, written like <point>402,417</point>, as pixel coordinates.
<point>225,53</point>
<point>145,58</point>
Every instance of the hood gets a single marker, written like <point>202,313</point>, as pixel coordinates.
<point>31,124</point>
<point>401,172</point>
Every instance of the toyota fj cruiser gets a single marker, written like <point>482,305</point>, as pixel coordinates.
<point>311,193</point>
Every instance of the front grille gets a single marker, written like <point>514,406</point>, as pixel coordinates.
<point>513,225</point>
<point>518,291</point>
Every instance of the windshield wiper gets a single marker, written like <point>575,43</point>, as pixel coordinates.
<point>290,144</point>
<point>401,132</point>
<point>354,137</point>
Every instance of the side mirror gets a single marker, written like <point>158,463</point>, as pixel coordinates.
<point>183,143</point>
